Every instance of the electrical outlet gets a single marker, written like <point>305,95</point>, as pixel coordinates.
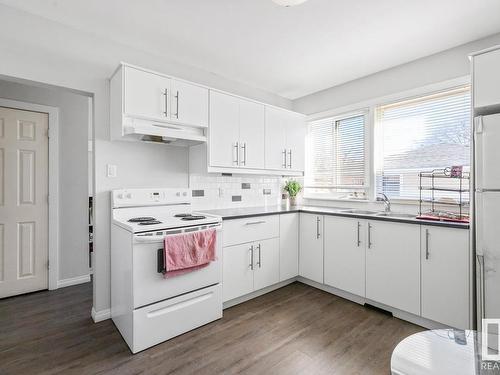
<point>111,170</point>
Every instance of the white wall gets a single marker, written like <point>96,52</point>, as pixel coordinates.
<point>39,50</point>
<point>436,68</point>
<point>73,166</point>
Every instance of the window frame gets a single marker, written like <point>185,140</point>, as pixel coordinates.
<point>369,106</point>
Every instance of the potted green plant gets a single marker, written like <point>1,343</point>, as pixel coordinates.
<point>293,188</point>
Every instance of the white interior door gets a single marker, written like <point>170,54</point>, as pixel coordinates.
<point>251,134</point>
<point>488,152</point>
<point>224,130</point>
<point>23,201</point>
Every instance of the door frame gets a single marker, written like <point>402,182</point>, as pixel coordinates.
<point>53,219</point>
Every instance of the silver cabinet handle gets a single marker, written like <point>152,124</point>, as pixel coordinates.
<point>481,308</point>
<point>165,93</point>
<point>236,147</point>
<point>290,158</point>
<point>427,244</point>
<point>369,236</point>
<point>284,158</point>
<point>251,257</point>
<point>359,239</point>
<point>260,257</point>
<point>244,147</point>
<point>177,105</point>
<point>318,233</point>
<point>255,222</point>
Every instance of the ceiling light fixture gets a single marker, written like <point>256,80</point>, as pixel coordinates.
<point>289,3</point>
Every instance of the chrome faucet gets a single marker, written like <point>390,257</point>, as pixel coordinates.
<point>386,201</point>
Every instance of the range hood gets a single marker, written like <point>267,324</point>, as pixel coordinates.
<point>151,131</point>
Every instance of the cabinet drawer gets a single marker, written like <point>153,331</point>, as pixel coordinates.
<point>250,229</point>
<point>163,320</point>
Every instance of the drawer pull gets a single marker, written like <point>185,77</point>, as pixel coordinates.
<point>255,222</point>
<point>178,306</point>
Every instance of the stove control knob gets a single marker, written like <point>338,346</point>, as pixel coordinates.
<point>184,194</point>
<point>129,196</point>
<point>120,196</point>
<point>178,193</point>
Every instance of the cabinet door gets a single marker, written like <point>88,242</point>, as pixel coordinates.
<point>445,275</point>
<point>289,246</point>
<point>237,278</point>
<point>146,94</point>
<point>189,104</point>
<point>224,130</point>
<point>488,152</point>
<point>487,79</point>
<point>266,263</point>
<point>393,265</point>
<point>251,135</point>
<point>296,140</point>
<point>345,254</point>
<point>275,142</point>
<point>311,247</point>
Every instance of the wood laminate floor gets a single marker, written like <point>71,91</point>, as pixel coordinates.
<point>293,330</point>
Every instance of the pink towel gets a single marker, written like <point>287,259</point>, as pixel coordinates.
<point>188,252</point>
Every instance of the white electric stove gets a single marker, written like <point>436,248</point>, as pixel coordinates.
<point>146,307</point>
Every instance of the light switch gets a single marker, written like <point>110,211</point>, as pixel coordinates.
<point>111,170</point>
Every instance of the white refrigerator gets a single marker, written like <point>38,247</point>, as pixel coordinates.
<point>487,215</point>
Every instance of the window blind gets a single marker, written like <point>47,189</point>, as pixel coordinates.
<point>336,154</point>
<point>421,134</point>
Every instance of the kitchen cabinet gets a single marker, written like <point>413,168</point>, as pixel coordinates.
<point>237,265</point>
<point>344,244</point>
<point>139,98</point>
<point>285,140</point>
<point>266,263</point>
<point>393,265</point>
<point>311,247</point>
<point>445,275</point>
<point>236,132</point>
<point>289,246</point>
<point>486,79</point>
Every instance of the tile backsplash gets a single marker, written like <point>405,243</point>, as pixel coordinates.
<point>234,191</point>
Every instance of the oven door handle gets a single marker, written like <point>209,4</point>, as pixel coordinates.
<point>160,265</point>
<point>148,239</point>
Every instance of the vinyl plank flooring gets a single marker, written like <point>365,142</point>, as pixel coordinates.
<point>294,330</point>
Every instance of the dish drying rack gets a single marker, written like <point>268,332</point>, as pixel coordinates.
<point>431,185</point>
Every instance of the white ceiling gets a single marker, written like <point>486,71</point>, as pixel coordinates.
<point>291,52</point>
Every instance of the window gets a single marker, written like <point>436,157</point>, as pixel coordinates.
<point>336,156</point>
<point>421,134</point>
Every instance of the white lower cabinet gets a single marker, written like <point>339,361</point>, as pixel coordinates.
<point>445,275</point>
<point>311,247</point>
<point>237,277</point>
<point>266,263</point>
<point>249,267</point>
<point>289,246</point>
<point>345,254</point>
<point>393,265</point>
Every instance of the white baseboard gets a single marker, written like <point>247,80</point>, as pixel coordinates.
<point>99,316</point>
<point>73,281</point>
<point>258,293</point>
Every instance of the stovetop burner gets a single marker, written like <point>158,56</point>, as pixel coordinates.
<point>150,222</point>
<point>193,217</point>
<point>182,215</point>
<point>141,219</point>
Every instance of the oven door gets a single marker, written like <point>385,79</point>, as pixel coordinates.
<point>149,286</point>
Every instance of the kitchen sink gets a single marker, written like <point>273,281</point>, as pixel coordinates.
<point>360,212</point>
<point>396,214</point>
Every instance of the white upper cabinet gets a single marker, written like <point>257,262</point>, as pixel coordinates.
<point>345,254</point>
<point>188,103</point>
<point>145,95</point>
<point>445,275</point>
<point>236,132</point>
<point>486,79</point>
<point>224,130</point>
<point>285,140</point>
<point>251,135</point>
<point>311,247</point>
<point>393,265</point>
